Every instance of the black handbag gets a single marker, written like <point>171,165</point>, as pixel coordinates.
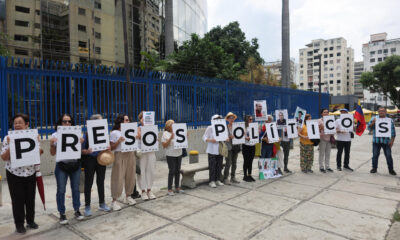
<point>184,152</point>
<point>69,167</point>
<point>315,142</point>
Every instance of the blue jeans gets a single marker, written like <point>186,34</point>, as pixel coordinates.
<point>266,150</point>
<point>62,178</point>
<point>376,149</point>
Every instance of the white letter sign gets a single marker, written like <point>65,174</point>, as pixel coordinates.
<point>329,125</point>
<point>313,129</point>
<point>239,133</point>
<point>291,128</point>
<point>180,138</point>
<point>149,138</point>
<point>383,127</point>
<point>272,132</point>
<point>98,134</point>
<point>129,132</point>
<point>253,133</point>
<point>68,142</point>
<point>346,121</point>
<point>24,148</point>
<point>220,130</point>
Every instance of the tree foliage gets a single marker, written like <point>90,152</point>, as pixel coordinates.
<point>384,78</point>
<point>3,48</point>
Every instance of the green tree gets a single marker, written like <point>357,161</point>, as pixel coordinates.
<point>3,48</point>
<point>384,78</point>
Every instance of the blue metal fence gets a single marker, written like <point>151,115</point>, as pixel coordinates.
<point>45,90</point>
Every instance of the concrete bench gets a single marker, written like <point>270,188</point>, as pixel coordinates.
<point>188,172</point>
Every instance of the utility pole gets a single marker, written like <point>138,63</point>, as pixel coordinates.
<point>285,44</point>
<point>319,84</point>
<point>127,69</point>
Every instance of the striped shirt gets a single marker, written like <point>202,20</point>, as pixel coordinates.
<point>384,140</point>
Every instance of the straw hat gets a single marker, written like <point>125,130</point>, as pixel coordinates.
<point>230,114</point>
<point>105,158</point>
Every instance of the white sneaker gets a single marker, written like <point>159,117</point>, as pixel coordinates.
<point>171,193</point>
<point>219,183</point>
<point>115,206</point>
<point>130,201</point>
<point>212,184</point>
<point>144,196</point>
<point>151,195</point>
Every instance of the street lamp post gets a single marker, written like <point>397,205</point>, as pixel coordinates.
<point>319,83</point>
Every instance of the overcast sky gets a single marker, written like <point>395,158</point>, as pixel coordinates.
<point>354,20</point>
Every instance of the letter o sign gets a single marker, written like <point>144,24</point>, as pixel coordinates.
<point>346,120</point>
<point>241,133</point>
<point>153,139</point>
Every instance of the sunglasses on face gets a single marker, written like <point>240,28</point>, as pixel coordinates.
<point>66,121</point>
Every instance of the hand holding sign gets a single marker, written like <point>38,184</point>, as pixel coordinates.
<point>68,146</point>
<point>329,125</point>
<point>239,133</point>
<point>129,132</point>
<point>383,127</point>
<point>220,130</point>
<point>180,131</point>
<point>24,148</point>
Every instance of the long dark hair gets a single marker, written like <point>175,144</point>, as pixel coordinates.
<point>322,110</point>
<point>306,117</point>
<point>59,121</point>
<point>246,120</point>
<point>118,121</point>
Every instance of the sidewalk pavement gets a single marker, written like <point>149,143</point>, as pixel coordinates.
<point>339,205</point>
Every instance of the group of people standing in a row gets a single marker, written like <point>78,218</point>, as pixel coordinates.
<point>127,167</point>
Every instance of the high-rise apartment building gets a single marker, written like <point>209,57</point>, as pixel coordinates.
<point>358,70</point>
<point>374,52</point>
<point>336,62</point>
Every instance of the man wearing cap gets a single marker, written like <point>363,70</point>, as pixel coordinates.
<point>343,141</point>
<point>385,143</point>
<point>233,151</point>
<point>214,158</point>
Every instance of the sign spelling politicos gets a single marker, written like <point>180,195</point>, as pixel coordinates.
<point>291,128</point>
<point>68,143</point>
<point>24,148</point>
<point>239,133</point>
<point>253,133</point>
<point>383,127</point>
<point>220,130</point>
<point>313,129</point>
<point>329,125</point>
<point>181,139</point>
<point>272,132</point>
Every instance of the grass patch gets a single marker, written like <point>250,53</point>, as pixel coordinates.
<point>396,216</point>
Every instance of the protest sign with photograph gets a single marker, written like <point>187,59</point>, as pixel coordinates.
<point>180,138</point>
<point>260,110</point>
<point>268,168</point>
<point>149,138</point>
<point>220,130</point>
<point>148,118</point>
<point>239,133</point>
<point>68,142</point>
<point>281,117</point>
<point>299,115</point>
<point>129,131</point>
<point>24,148</point>
<point>98,134</point>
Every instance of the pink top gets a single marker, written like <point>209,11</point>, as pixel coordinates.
<point>323,136</point>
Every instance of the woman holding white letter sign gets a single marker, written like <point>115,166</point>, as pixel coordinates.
<point>66,168</point>
<point>21,180</point>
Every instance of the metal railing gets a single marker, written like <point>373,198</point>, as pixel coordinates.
<point>45,90</point>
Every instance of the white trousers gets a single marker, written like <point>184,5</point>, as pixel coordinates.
<point>147,164</point>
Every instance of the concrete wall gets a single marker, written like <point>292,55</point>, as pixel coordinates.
<point>48,162</point>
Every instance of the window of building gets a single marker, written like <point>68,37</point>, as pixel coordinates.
<point>97,50</point>
<point>385,50</point>
<point>325,49</point>
<point>331,75</point>
<point>301,71</point>
<point>379,51</point>
<point>301,53</point>
<point>325,55</point>
<point>21,52</point>
<point>37,25</point>
<point>22,9</point>
<point>372,52</point>
<point>372,60</point>
<point>83,59</point>
<point>316,50</point>
<point>325,75</point>
<point>325,68</point>
<point>325,62</point>
<point>330,61</point>
<point>331,89</point>
<point>379,59</point>
<point>316,57</point>
<point>21,38</point>
<point>97,5</point>
<point>81,28</point>
<point>331,82</point>
<point>338,67</point>
<point>338,47</point>
<point>82,11</point>
<point>338,88</point>
<point>301,84</point>
<point>331,55</point>
<point>337,60</point>
<point>82,44</point>
<point>338,54</point>
<point>97,35</point>
<point>338,74</point>
<point>393,50</point>
<point>21,23</point>
<point>331,48</point>
<point>338,81</point>
<point>97,20</point>
<point>37,11</point>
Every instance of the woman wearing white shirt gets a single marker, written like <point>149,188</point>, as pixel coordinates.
<point>214,158</point>
<point>21,182</point>
<point>174,157</point>
<point>124,167</point>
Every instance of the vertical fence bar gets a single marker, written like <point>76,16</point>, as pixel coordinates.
<point>89,92</point>
<point>3,97</point>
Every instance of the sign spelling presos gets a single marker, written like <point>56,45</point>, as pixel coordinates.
<point>220,130</point>
<point>383,127</point>
<point>346,122</point>
<point>291,128</point>
<point>239,133</point>
<point>98,136</point>
<point>68,143</point>
<point>253,133</point>
<point>313,129</point>
<point>24,148</point>
<point>129,131</point>
<point>181,138</point>
<point>329,124</point>
<point>272,132</point>
<point>149,137</point>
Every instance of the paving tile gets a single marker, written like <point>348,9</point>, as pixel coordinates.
<point>59,233</point>
<point>286,230</point>
<point>176,232</point>
<point>312,179</point>
<point>175,207</point>
<point>263,203</point>
<point>348,223</point>
<point>366,189</point>
<point>218,194</point>
<point>366,177</point>
<point>124,224</point>
<point>227,222</point>
<point>289,189</point>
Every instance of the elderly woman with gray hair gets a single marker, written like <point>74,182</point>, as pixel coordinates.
<point>91,167</point>
<point>174,157</point>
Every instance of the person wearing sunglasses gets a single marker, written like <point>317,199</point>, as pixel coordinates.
<point>65,169</point>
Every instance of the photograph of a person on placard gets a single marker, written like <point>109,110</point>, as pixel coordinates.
<point>260,110</point>
<point>299,116</point>
<point>281,116</point>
